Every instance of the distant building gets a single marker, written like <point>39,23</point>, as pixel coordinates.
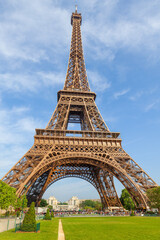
<point>72,204</point>
<point>53,202</point>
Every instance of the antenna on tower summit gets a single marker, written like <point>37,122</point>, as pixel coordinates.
<point>76,7</point>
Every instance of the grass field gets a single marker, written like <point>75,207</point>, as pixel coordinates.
<point>49,231</point>
<point>112,228</point>
<point>94,228</point>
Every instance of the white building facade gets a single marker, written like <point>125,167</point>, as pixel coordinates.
<point>72,204</point>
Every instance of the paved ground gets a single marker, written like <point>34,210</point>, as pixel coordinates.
<point>6,224</point>
<point>61,235</point>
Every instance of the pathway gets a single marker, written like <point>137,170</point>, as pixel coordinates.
<point>7,223</point>
<point>61,235</point>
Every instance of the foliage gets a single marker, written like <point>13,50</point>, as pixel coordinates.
<point>9,198</point>
<point>52,214</point>
<point>50,207</point>
<point>98,206</point>
<point>18,213</point>
<point>7,195</point>
<point>43,203</point>
<point>154,197</point>
<point>132,213</point>
<point>92,205</point>
<point>47,216</point>
<point>22,201</point>
<point>7,213</point>
<point>29,222</point>
<point>63,203</point>
<point>126,200</point>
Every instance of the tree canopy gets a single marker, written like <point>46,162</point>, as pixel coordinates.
<point>7,195</point>
<point>92,205</point>
<point>43,203</point>
<point>22,200</point>
<point>126,200</point>
<point>9,198</point>
<point>154,197</point>
<point>50,207</point>
<point>63,203</point>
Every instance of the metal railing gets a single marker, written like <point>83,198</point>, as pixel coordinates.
<point>71,133</point>
<point>18,227</point>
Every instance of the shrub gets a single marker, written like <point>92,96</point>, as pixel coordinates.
<point>52,214</point>
<point>7,213</point>
<point>47,216</point>
<point>18,213</point>
<point>29,222</point>
<point>132,213</point>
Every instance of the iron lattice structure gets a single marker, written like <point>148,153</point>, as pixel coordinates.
<point>93,153</point>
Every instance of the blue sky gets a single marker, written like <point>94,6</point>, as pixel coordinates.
<point>122,55</point>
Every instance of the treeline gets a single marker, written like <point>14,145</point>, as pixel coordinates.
<point>153,195</point>
<point>91,205</point>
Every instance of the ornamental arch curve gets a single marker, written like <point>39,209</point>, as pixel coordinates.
<point>97,169</point>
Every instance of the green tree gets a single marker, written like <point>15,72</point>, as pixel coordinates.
<point>29,222</point>
<point>22,200</point>
<point>126,200</point>
<point>50,207</point>
<point>89,204</point>
<point>43,203</point>
<point>98,206</point>
<point>52,214</point>
<point>63,203</point>
<point>154,197</point>
<point>47,216</point>
<point>7,195</point>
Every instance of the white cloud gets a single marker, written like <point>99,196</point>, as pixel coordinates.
<point>136,96</point>
<point>40,30</point>
<point>111,119</point>
<point>133,28</point>
<point>29,30</point>
<point>99,82</point>
<point>17,129</point>
<point>15,126</point>
<point>152,105</point>
<point>121,93</point>
<point>18,82</point>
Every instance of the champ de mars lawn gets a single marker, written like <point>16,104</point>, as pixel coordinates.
<point>94,228</point>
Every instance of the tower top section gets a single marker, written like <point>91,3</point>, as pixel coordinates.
<point>76,78</point>
<point>76,16</point>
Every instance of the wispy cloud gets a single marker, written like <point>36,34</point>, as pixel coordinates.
<point>27,31</point>
<point>16,134</point>
<point>136,96</point>
<point>98,82</point>
<point>135,28</point>
<point>18,82</point>
<point>121,93</point>
<point>152,105</point>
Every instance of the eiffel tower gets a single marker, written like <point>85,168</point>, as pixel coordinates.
<point>93,153</point>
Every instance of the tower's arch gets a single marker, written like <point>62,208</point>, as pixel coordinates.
<point>96,169</point>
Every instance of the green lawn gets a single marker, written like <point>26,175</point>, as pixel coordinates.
<point>49,231</point>
<point>112,228</point>
<point>94,228</point>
